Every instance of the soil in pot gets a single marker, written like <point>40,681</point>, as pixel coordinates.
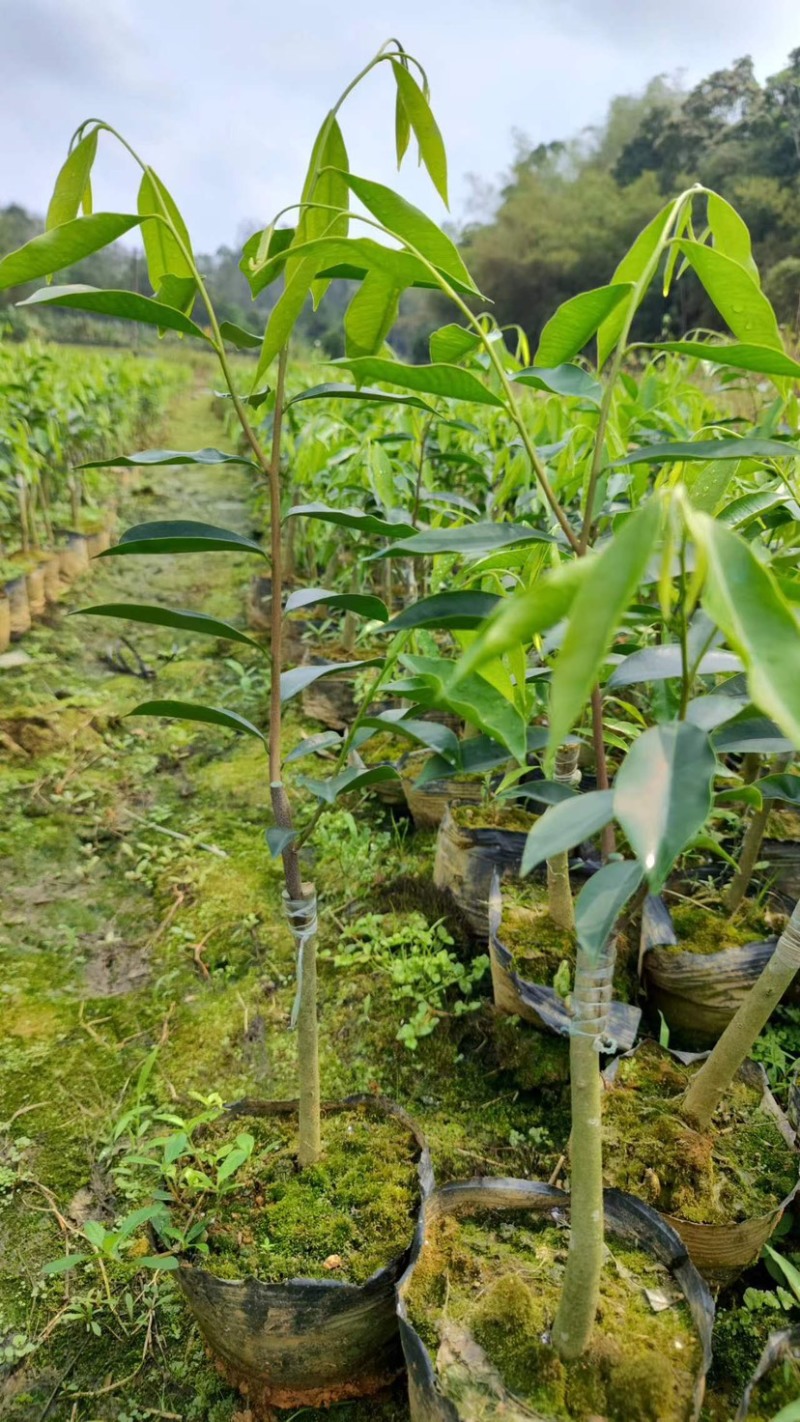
<point>498,1282</point>
<point>345,1218</point>
<point>739,1173</point>
<point>780,850</point>
<point>699,981</point>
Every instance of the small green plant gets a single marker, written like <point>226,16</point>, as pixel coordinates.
<point>423,975</point>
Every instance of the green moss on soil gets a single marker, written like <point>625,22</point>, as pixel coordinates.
<point>537,945</point>
<point>740,1169</point>
<point>501,1282</point>
<point>783,825</point>
<point>356,1207</point>
<point>492,816</point>
<point>703,930</point>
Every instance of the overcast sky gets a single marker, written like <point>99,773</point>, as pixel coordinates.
<point>224,99</point>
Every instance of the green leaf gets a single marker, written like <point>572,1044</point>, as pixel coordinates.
<point>72,183</point>
<point>711,711</point>
<point>371,314</point>
<point>260,272</point>
<point>95,1233</point>
<point>296,680</point>
<point>451,343</point>
<point>545,792</point>
<point>605,592</point>
<point>279,840</point>
<point>740,512</point>
<point>427,733</point>
<point>191,711</point>
<point>125,305</point>
<point>166,1262</point>
<point>600,902</point>
<point>448,381</point>
<point>746,733</point>
<point>60,1266</point>
<point>787,1269</point>
<point>576,321</point>
<point>662,794</point>
<point>640,259</point>
<point>566,824</point>
<point>234,1161</point>
<point>402,127</point>
<point>325,185</point>
<point>329,791</point>
<point>737,297</point>
<point>165,249</point>
<point>238,336</point>
<point>450,609</point>
<point>731,234</point>
<point>412,226</point>
<point>765,360</point>
<point>426,129</point>
<point>475,700</point>
<point>285,313</point>
<point>471,539</point>
<point>167,617</point>
<point>61,247</point>
<point>150,458</point>
<point>661,663</point>
<point>524,616</point>
<point>137,1218</point>
<point>562,380</point>
<point>780,787</point>
<point>354,392</point>
<point>325,740</point>
<point>180,536</point>
<point>789,1413</point>
<point>751,447</point>
<point>352,518</point>
<point>742,598</point>
<point>365,604</point>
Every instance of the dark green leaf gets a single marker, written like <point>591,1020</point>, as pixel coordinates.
<point>600,902</point>
<point>748,733</point>
<point>451,343</point>
<point>190,711</point>
<point>353,779</point>
<point>426,129</point>
<point>576,321</point>
<point>166,617</point>
<point>594,616</point>
<point>780,787</point>
<point>180,536</point>
<point>125,305</point>
<point>279,839</point>
<point>566,824</point>
<point>352,518</point>
<point>546,792</point>
<point>148,458</point>
<point>751,447</point>
<point>365,604</point>
<point>427,733</point>
<point>562,380</point>
<point>737,297</point>
<point>238,336</point>
<point>61,247</point>
<point>354,392</point>
<point>742,598</point>
<point>662,794</point>
<point>164,1262</point>
<point>474,700</point>
<point>471,539</point>
<point>72,183</point>
<point>313,744</point>
<point>708,712</point>
<point>738,513</point>
<point>451,609</point>
<point>448,381</point>
<point>296,680</point>
<point>60,1266</point>
<point>765,360</point>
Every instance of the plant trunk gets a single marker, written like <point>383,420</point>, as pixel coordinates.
<point>736,1043</point>
<point>310,1143</point>
<point>751,848</point>
<point>577,1308</point>
<point>559,892</point>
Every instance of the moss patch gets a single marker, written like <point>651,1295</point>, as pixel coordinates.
<point>492,816</point>
<point>704,930</point>
<point>740,1169</point>
<point>501,1283</point>
<point>783,825</point>
<point>537,945</point>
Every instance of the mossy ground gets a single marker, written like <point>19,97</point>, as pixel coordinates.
<point>501,1281</point>
<point>349,1215</point>
<point>708,929</point>
<point>741,1169</point>
<point>493,816</point>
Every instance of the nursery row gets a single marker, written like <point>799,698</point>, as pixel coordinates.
<point>551,600</point>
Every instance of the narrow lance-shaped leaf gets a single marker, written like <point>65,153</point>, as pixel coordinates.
<point>298,678</point>
<point>72,182</point>
<point>662,794</point>
<point>125,305</point>
<point>367,524</point>
<point>764,360</point>
<point>780,787</point>
<point>594,616</point>
<point>472,540</point>
<point>741,596</point>
<point>239,337</point>
<point>328,791</point>
<point>168,617</point>
<point>731,235</point>
<point>562,380</point>
<point>180,536</point>
<point>325,186</point>
<point>665,661</point>
<point>750,447</point>
<point>601,901</point>
<point>634,267</point>
<point>426,129</point>
<point>451,343</point>
<point>576,321</point>
<point>451,609</point>
<point>63,246</point>
<point>427,733</point>
<point>524,616</point>
<point>449,381</point>
<point>369,396</point>
<point>285,313</point>
<point>567,824</point>
<point>167,251</point>
<point>150,458</point>
<point>371,314</point>
<point>365,604</point>
<point>736,295</point>
<point>190,711</point>
<point>475,700</point>
<point>411,225</point>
